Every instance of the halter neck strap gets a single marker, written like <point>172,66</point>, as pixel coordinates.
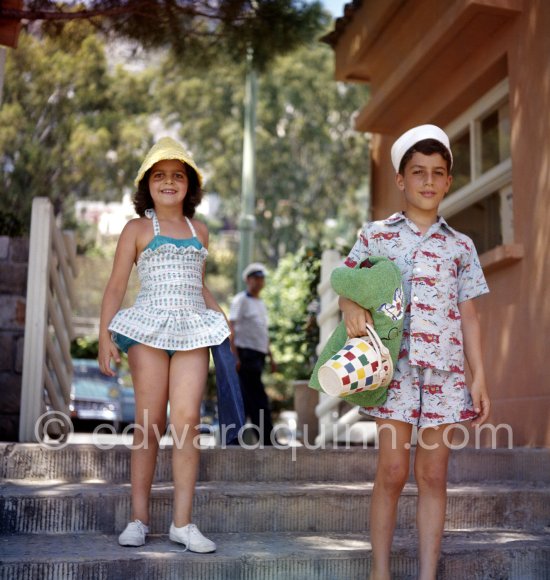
<point>191,227</point>
<point>150,214</point>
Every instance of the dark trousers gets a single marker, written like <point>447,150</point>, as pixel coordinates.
<point>256,403</point>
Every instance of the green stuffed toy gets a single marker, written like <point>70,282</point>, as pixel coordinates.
<point>376,286</point>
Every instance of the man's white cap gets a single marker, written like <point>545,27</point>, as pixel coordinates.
<point>412,137</point>
<point>254,269</point>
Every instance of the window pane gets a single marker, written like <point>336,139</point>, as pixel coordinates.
<point>489,142</point>
<point>481,221</point>
<point>461,161</point>
<point>495,137</point>
<point>504,131</point>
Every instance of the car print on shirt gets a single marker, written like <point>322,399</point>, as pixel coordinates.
<point>453,314</point>
<point>434,416</point>
<point>426,337</point>
<point>464,245</point>
<point>430,254</point>
<point>467,414</point>
<point>433,389</point>
<point>426,307</point>
<point>428,280</point>
<point>386,235</point>
<point>425,365</point>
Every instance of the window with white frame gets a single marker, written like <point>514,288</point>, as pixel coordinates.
<point>480,202</point>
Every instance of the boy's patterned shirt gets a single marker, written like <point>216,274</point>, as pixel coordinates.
<point>440,269</point>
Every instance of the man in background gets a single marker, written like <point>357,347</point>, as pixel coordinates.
<point>250,343</point>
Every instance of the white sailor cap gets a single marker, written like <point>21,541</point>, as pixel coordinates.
<point>413,136</point>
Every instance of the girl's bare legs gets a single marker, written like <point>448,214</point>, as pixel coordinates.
<point>392,473</point>
<point>188,373</point>
<point>430,470</point>
<point>149,367</point>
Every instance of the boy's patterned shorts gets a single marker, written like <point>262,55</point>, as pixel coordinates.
<point>425,397</point>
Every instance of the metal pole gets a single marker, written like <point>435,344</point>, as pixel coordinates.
<point>2,69</point>
<point>247,221</point>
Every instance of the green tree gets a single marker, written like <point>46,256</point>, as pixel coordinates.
<point>311,163</point>
<point>69,129</point>
<point>199,30</point>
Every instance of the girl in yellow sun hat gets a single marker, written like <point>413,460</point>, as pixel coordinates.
<point>166,333</point>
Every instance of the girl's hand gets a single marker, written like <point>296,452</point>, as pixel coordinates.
<point>107,351</point>
<point>480,399</point>
<point>355,318</point>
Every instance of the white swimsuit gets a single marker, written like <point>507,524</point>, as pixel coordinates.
<point>170,312</point>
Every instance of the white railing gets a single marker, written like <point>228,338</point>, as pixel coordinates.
<point>47,366</point>
<point>334,421</point>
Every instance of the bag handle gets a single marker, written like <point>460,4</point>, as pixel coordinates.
<point>382,351</point>
<point>376,341</point>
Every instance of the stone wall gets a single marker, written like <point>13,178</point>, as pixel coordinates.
<point>14,256</point>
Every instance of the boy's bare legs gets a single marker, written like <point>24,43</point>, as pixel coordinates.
<point>149,367</point>
<point>430,470</point>
<point>188,374</point>
<point>392,473</point>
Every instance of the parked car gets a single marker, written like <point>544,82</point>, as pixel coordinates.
<point>95,396</point>
<point>128,404</point>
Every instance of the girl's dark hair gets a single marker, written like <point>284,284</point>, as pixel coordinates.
<point>143,200</point>
<point>426,147</point>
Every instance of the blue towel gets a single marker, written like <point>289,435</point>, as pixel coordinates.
<point>230,401</point>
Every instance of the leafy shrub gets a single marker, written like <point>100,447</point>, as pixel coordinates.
<point>291,299</point>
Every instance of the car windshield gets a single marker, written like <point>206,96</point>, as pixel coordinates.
<point>89,371</point>
<point>92,388</point>
<point>90,382</point>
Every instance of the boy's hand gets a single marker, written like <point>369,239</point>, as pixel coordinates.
<point>480,399</point>
<point>107,351</point>
<point>355,318</point>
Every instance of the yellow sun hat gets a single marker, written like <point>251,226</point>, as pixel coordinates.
<point>163,149</point>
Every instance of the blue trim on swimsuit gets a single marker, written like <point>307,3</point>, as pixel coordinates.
<point>160,240</point>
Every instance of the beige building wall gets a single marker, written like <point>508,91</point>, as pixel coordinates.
<point>428,61</point>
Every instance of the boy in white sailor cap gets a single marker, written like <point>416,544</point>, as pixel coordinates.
<point>441,277</point>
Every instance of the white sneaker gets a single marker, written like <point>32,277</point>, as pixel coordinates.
<point>134,534</point>
<point>191,538</point>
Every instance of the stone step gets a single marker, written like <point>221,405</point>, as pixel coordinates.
<point>59,507</point>
<point>478,555</point>
<point>84,462</point>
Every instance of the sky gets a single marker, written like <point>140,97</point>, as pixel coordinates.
<point>335,7</point>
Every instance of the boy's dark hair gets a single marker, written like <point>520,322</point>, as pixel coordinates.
<point>143,200</point>
<point>426,147</point>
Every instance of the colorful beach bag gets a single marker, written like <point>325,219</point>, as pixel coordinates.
<point>363,364</point>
